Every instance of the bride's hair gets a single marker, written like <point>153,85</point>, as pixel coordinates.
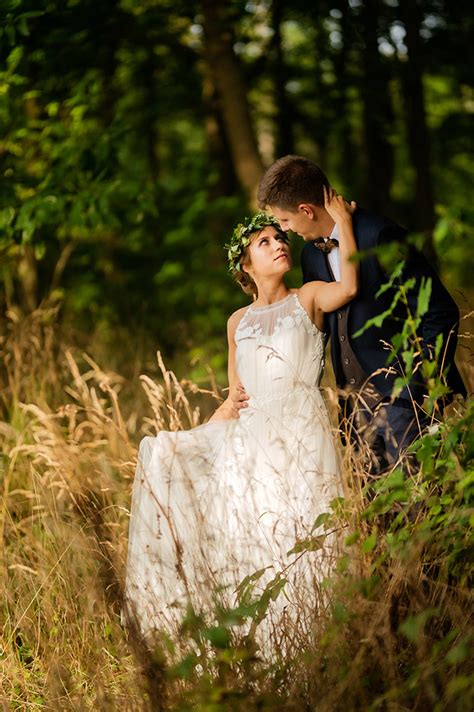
<point>243,278</point>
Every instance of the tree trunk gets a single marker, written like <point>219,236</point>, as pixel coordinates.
<point>324,116</point>
<point>217,143</point>
<point>417,130</point>
<point>228,80</point>
<point>284,143</point>
<point>150,131</point>
<point>219,157</point>
<point>28,278</point>
<point>377,113</point>
<point>348,159</point>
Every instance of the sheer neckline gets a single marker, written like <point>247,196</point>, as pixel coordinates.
<point>273,305</point>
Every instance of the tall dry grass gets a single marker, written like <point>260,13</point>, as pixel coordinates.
<point>393,639</point>
<point>68,457</point>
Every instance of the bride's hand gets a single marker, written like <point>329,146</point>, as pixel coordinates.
<point>231,407</point>
<point>337,207</point>
<point>226,411</point>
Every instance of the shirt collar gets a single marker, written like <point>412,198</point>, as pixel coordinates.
<point>334,234</point>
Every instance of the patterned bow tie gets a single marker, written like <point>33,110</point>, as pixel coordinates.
<point>326,245</point>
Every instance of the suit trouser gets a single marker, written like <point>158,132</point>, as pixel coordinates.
<point>387,429</point>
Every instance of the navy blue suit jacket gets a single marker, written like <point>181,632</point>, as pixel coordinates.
<point>373,231</point>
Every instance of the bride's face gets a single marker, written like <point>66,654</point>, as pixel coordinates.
<point>269,254</point>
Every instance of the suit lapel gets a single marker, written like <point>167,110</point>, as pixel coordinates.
<point>322,265</point>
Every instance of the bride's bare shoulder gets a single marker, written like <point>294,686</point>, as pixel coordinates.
<point>306,294</point>
<point>234,319</point>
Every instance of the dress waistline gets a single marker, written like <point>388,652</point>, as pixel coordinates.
<point>284,395</point>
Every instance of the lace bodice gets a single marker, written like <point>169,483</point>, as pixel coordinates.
<point>279,349</point>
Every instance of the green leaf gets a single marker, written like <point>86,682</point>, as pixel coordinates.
<point>413,626</point>
<point>246,587</point>
<point>408,357</point>
<point>251,578</point>
<point>352,538</point>
<point>7,216</point>
<point>14,58</point>
<point>439,345</point>
<point>460,686</point>
<point>310,544</point>
<point>184,669</point>
<point>321,519</point>
<point>424,295</point>
<point>442,229</point>
<point>399,384</point>
<point>369,543</point>
<point>378,320</point>
<point>218,636</point>
<point>395,274</point>
<point>395,480</point>
<point>340,612</point>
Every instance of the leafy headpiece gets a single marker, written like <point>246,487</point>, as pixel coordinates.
<point>241,237</point>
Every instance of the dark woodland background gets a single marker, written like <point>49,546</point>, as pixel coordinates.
<point>134,133</point>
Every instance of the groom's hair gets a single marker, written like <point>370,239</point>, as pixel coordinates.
<point>292,180</point>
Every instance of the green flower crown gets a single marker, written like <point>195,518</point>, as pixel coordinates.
<point>241,237</point>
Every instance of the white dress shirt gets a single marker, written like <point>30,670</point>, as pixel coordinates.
<point>334,257</point>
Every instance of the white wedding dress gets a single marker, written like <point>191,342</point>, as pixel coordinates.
<point>215,504</point>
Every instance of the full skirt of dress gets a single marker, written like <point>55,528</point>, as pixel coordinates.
<point>216,504</point>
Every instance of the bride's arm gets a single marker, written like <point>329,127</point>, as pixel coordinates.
<point>237,397</point>
<point>329,296</point>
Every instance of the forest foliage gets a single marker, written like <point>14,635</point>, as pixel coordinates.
<point>135,132</point>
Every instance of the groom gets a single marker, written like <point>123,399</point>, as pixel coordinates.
<point>292,189</point>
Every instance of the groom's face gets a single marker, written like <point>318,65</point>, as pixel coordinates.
<point>307,220</point>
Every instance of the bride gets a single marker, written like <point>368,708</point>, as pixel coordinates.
<point>229,499</point>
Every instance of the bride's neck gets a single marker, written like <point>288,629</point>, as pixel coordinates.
<point>269,293</point>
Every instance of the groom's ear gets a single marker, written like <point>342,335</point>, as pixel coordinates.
<point>307,209</point>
